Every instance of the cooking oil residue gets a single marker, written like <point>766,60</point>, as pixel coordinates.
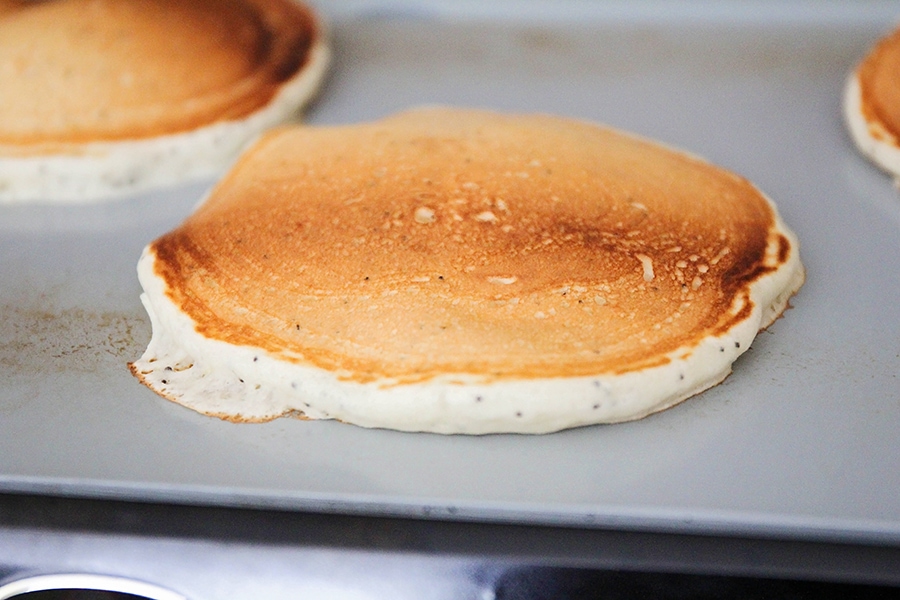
<point>44,340</point>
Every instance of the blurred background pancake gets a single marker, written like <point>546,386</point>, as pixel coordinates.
<point>872,104</point>
<point>109,96</point>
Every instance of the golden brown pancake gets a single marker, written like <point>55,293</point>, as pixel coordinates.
<point>441,256</point>
<point>78,76</point>
<point>872,104</point>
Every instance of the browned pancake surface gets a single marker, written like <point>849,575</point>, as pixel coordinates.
<point>879,80</point>
<point>74,71</point>
<point>442,241</point>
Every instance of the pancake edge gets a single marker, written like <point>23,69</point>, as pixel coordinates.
<point>244,384</point>
<point>100,171</point>
<point>882,149</point>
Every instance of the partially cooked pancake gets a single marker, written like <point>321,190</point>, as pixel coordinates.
<point>462,271</point>
<point>105,96</point>
<point>872,104</point>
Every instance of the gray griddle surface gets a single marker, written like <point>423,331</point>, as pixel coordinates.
<point>802,440</point>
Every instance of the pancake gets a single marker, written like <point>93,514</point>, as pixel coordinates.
<point>462,271</point>
<point>872,104</point>
<point>109,97</point>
